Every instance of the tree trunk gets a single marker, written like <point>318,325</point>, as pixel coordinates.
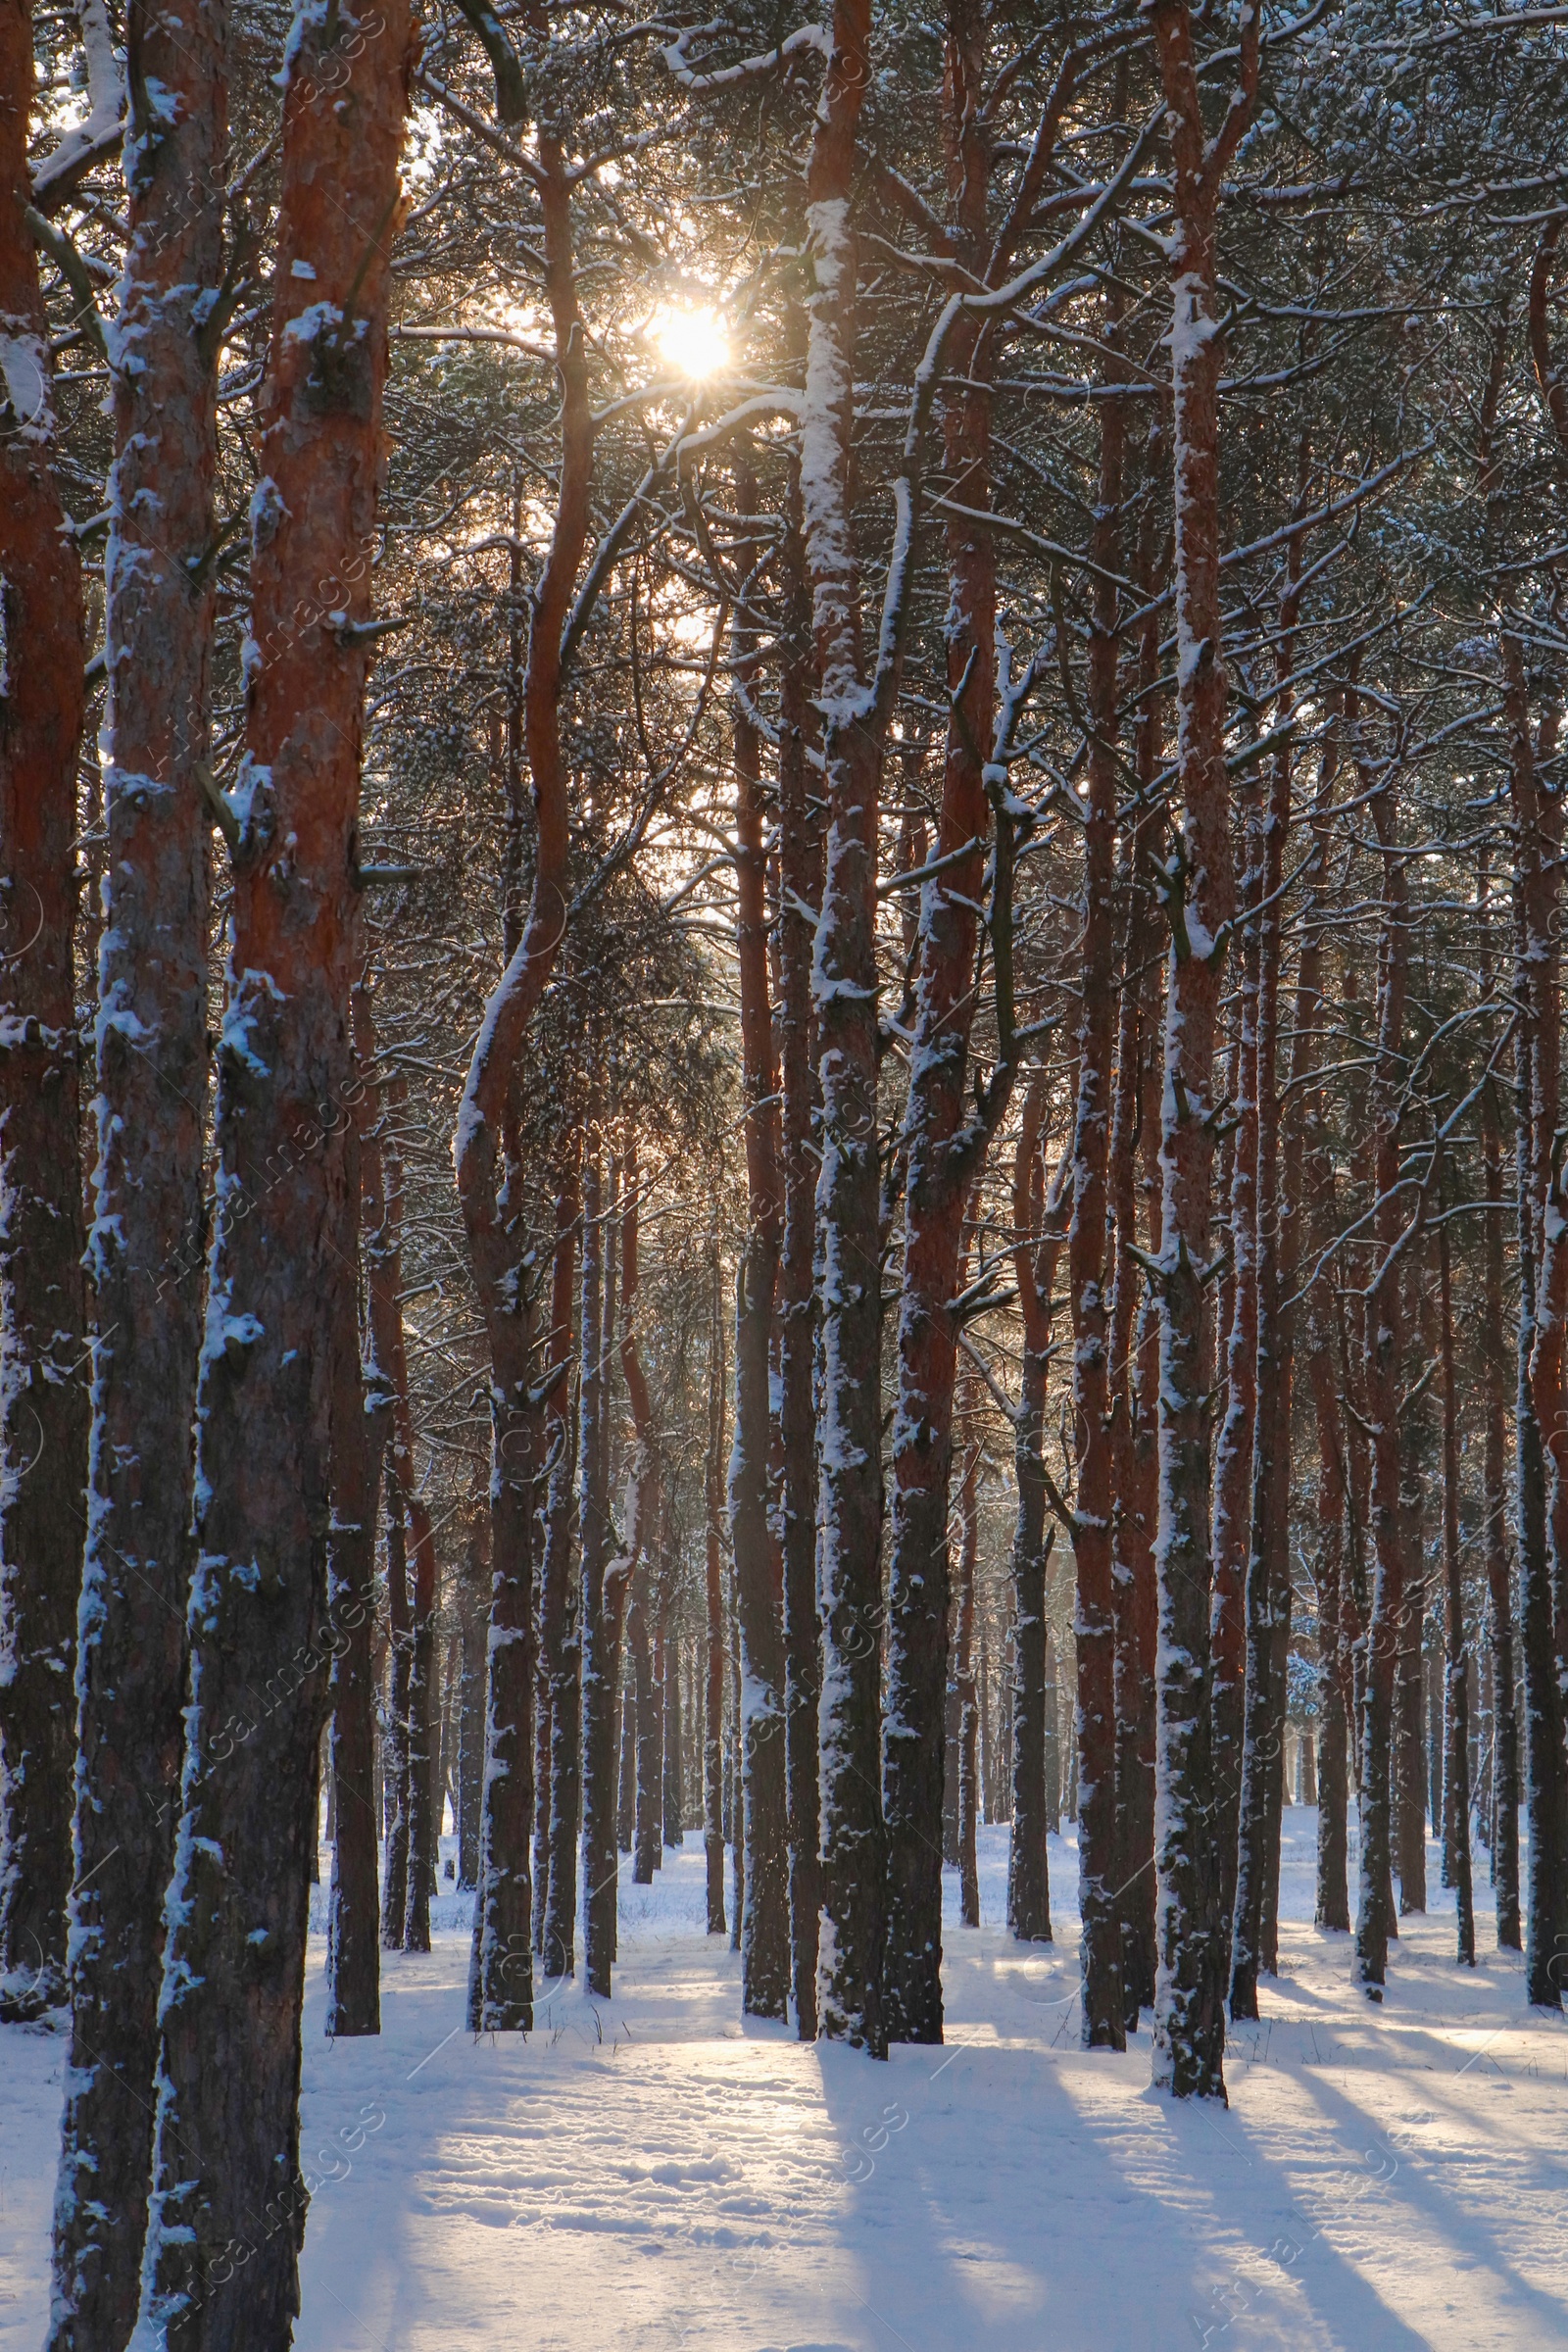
<point>501,1975</point>
<point>844,995</point>
<point>1038,1221</point>
<point>44,1398</point>
<point>800,897</point>
<point>1410,1765</point>
<point>1134,1337</point>
<point>1188,2006</point>
<point>1383,1357</point>
<point>765,1928</point>
<point>558,1642</point>
<point>601,1599</point>
<point>1254,1933</point>
<point>226,2149</point>
<point>1455,1648</point>
<point>472,1582</point>
<point>645,1757</point>
<point>1336,1605</point>
<point>713,1599</point>
<point>965,1679</point>
<point>360,1414</point>
<point>626,1778</point>
<point>1231,1639</point>
<point>424,1724</point>
<point>735,1800</point>
<point>148,1228</point>
<point>941,1138</point>
<point>1090,1281</point>
<point>675,1746</point>
<point>1542,1268</point>
<point>1504,1811</point>
<point>395,1749</point>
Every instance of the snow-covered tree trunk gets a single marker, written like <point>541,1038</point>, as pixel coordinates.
<point>1383,1358</point>
<point>963,1676</point>
<point>602,1601</point>
<point>1089,1272</point>
<point>799,898</point>
<point>1237,1336</point>
<point>361,1413</point>
<point>558,1640</point>
<point>424,1731</point>
<point>1336,1600</point>
<point>1198,891</point>
<point>500,1991</point>
<point>228,2208</point>
<point>1409,1831</point>
<point>44,1399</point>
<point>647,1745</point>
<point>713,1604</point>
<point>844,988</point>
<point>395,1746</point>
<point>758,1567</point>
<point>674,1808</point>
<point>1538,1402</point>
<point>146,1241</point>
<point>1455,1646</point>
<point>387,1376</point>
<point>1495,1526</point>
<point>1133,1339</point>
<point>941,1136</point>
<point>1040,1223</point>
<point>1268,1570</point>
<point>470,1768</point>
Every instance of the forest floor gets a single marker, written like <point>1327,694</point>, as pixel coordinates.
<point>649,2172</point>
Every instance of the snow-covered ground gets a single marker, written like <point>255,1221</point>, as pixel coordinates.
<point>648,2171</point>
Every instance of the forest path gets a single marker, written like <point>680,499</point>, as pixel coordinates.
<point>644,2172</point>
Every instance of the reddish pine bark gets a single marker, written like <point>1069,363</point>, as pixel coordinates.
<point>44,1404</point>
<point>1189,2022</point>
<point>227,2205</point>
<point>147,1234</point>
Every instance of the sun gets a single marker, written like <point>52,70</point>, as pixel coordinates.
<point>691,341</point>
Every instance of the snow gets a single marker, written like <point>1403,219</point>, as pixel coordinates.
<point>25,375</point>
<point>649,2172</point>
<point>101,131</point>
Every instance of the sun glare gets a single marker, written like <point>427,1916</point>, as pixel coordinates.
<point>691,342</point>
